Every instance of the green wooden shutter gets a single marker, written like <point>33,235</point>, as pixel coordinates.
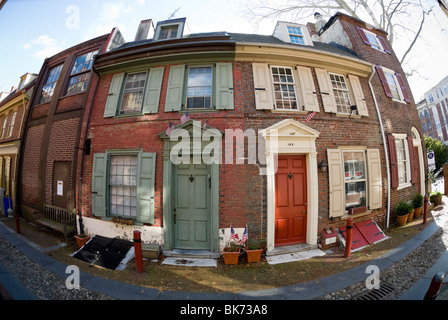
<point>152,92</point>
<point>145,209</point>
<point>114,95</point>
<point>99,177</point>
<point>175,88</point>
<point>224,86</point>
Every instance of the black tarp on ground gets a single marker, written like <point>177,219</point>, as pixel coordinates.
<point>104,252</point>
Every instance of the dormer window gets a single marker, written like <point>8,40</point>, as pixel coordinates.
<point>292,33</point>
<point>169,29</point>
<point>373,40</point>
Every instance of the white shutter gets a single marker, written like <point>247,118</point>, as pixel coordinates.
<point>264,98</point>
<point>99,177</point>
<point>153,89</point>
<point>308,89</point>
<point>114,95</point>
<point>326,90</point>
<point>375,184</point>
<point>146,187</point>
<point>336,182</point>
<point>224,86</point>
<point>175,88</point>
<point>359,96</point>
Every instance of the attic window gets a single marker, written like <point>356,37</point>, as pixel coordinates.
<point>373,40</point>
<point>295,35</point>
<point>169,32</point>
<point>169,29</point>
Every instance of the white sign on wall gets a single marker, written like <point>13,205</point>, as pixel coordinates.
<point>431,161</point>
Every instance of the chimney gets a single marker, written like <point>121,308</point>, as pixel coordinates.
<point>143,30</point>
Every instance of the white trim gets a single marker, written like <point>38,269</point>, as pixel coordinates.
<point>292,137</point>
<point>403,136</point>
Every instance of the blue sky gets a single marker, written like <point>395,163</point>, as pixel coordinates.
<point>34,29</point>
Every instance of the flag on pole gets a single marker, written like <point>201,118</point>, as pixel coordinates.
<point>204,125</point>
<point>244,237</point>
<point>233,235</point>
<point>185,118</point>
<point>310,116</point>
<point>170,129</point>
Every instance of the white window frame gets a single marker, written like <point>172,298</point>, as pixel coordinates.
<point>293,84</point>
<point>347,90</point>
<point>397,85</point>
<point>365,179</point>
<point>143,88</point>
<point>292,35</point>
<point>11,123</point>
<point>402,138</point>
<point>372,36</point>
<point>188,85</point>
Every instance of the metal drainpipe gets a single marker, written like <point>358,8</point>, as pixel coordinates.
<point>384,143</point>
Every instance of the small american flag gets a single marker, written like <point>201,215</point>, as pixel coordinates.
<point>233,235</point>
<point>244,237</point>
<point>170,129</point>
<point>185,118</point>
<point>308,118</point>
<point>204,126</point>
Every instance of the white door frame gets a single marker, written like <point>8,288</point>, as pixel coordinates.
<point>417,142</point>
<point>289,137</point>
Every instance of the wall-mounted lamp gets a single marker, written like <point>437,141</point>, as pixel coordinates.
<point>323,166</point>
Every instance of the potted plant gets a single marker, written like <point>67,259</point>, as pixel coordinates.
<point>254,250</point>
<point>231,253</point>
<point>417,202</point>
<point>81,239</point>
<point>402,210</point>
<point>436,198</point>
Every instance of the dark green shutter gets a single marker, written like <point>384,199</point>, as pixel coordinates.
<point>224,86</point>
<point>114,95</point>
<point>99,177</point>
<point>174,92</point>
<point>152,92</point>
<point>145,209</point>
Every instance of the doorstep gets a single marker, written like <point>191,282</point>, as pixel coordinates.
<point>279,250</point>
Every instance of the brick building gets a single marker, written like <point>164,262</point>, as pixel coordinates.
<point>288,134</point>
<point>12,114</point>
<point>52,133</point>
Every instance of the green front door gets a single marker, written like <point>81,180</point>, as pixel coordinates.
<point>191,216</point>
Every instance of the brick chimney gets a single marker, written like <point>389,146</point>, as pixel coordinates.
<point>143,30</point>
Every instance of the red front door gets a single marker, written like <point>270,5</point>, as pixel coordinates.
<point>290,200</point>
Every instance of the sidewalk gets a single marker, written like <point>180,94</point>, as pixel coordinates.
<point>303,291</point>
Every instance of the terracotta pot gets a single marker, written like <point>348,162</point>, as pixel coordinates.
<point>417,212</point>
<point>81,240</point>
<point>254,255</point>
<point>411,216</point>
<point>231,257</point>
<point>401,220</point>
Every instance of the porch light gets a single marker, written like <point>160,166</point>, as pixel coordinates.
<point>323,166</point>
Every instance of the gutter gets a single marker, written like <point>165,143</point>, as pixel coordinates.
<point>384,143</point>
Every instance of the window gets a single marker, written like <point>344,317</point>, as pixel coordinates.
<point>341,93</point>
<point>199,87</point>
<point>4,126</point>
<point>403,162</point>
<point>295,35</point>
<point>80,74</point>
<point>50,84</point>
<point>123,186</point>
<point>424,127</point>
<point>393,84</point>
<point>373,40</point>
<point>428,124</point>
<point>284,88</point>
<point>133,93</point>
<point>355,179</point>
<point>169,32</point>
<point>431,98</point>
<point>11,124</point>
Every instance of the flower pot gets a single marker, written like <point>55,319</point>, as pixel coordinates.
<point>231,257</point>
<point>253,255</point>
<point>81,239</point>
<point>417,212</point>
<point>411,216</point>
<point>401,220</point>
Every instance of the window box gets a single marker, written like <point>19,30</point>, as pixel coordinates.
<point>357,210</point>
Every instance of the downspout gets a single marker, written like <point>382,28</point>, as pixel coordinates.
<point>384,143</point>
<point>81,226</point>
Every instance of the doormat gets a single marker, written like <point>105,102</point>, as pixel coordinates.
<point>364,233</point>
<point>105,252</point>
<point>190,262</point>
<point>295,256</point>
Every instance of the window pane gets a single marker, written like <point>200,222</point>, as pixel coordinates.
<point>199,87</point>
<point>284,89</point>
<point>355,179</point>
<point>169,32</point>
<point>48,89</point>
<point>123,186</point>
<point>341,94</point>
<point>133,93</point>
<point>402,160</point>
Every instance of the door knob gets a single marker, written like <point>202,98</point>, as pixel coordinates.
<point>304,211</point>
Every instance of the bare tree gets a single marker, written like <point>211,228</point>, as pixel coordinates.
<point>399,18</point>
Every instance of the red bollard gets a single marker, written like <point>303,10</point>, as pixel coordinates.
<point>434,287</point>
<point>138,251</point>
<point>348,238</point>
<point>425,209</point>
